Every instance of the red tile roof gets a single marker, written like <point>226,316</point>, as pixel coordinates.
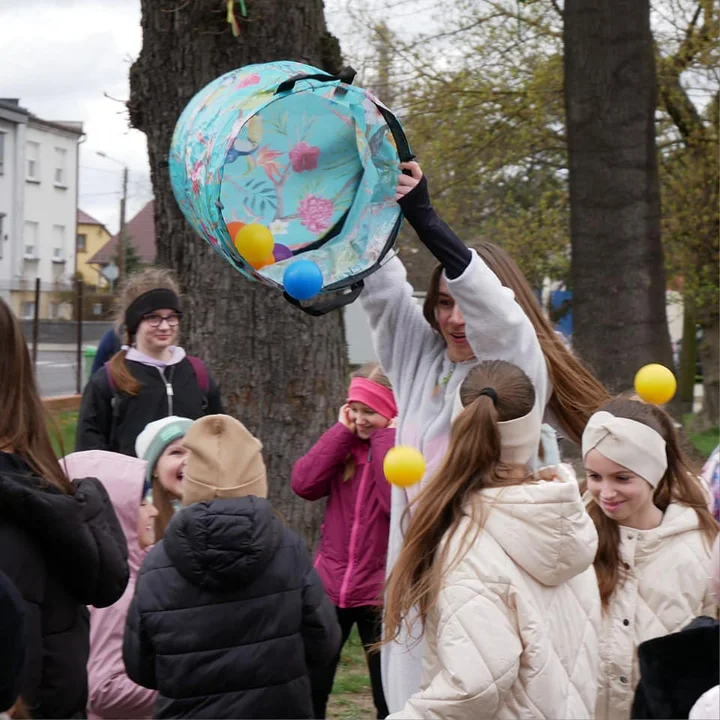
<point>141,233</point>
<point>84,219</point>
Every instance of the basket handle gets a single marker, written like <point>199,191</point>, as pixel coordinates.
<point>346,75</point>
<point>334,302</point>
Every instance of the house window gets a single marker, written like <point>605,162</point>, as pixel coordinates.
<point>97,308</point>
<point>58,243</point>
<point>2,153</point>
<point>54,310</point>
<point>82,243</point>
<point>27,310</point>
<point>60,162</point>
<point>33,161</point>
<point>31,240</point>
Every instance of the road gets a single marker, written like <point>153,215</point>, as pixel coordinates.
<point>56,372</point>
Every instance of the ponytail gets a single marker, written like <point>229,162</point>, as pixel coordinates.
<point>122,379</point>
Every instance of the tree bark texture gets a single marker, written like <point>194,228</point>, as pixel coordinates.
<point>618,275</point>
<point>281,372</point>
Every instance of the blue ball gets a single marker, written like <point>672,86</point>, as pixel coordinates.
<point>303,280</point>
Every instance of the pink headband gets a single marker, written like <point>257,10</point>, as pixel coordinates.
<point>374,395</point>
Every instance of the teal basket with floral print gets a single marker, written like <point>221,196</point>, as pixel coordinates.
<point>303,153</point>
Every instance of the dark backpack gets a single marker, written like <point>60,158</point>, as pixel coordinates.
<point>201,373</point>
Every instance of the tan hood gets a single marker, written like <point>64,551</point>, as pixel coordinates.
<point>543,526</point>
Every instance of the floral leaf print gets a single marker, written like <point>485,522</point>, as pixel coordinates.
<point>315,213</point>
<point>304,157</point>
<point>279,227</point>
<point>266,159</point>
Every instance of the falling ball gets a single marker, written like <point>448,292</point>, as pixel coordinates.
<point>254,242</point>
<point>655,384</point>
<point>303,280</point>
<point>404,465</point>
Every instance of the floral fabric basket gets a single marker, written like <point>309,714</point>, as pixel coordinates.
<point>303,153</point>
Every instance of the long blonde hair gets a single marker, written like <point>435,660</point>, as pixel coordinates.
<point>472,463</point>
<point>23,420</point>
<point>679,484</point>
<point>577,393</point>
<point>369,371</point>
<point>135,286</point>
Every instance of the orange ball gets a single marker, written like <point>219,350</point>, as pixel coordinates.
<point>270,260</point>
<point>235,227</point>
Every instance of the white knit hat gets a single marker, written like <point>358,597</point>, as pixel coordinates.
<point>156,436</point>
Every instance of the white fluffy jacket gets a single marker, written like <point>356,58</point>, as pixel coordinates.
<point>665,589</point>
<point>515,631</point>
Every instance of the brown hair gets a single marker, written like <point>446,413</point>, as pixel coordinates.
<point>577,393</point>
<point>135,286</point>
<point>369,371</point>
<point>679,484</point>
<point>472,463</point>
<point>23,419</point>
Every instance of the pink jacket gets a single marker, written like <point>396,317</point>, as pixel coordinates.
<point>111,693</point>
<point>353,548</point>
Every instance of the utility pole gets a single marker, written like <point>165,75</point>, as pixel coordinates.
<point>121,243</point>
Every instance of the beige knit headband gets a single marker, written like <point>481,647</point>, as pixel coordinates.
<point>629,443</point>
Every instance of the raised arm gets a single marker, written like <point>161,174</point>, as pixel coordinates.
<point>495,323</point>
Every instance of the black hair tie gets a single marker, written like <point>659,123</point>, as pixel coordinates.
<point>490,393</point>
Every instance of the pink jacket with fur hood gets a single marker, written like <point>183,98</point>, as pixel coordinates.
<point>111,693</point>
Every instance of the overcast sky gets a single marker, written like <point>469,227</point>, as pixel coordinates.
<point>61,58</point>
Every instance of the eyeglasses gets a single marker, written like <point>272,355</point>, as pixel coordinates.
<point>154,320</point>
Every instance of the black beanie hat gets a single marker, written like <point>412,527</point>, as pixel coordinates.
<point>157,299</point>
<point>12,643</point>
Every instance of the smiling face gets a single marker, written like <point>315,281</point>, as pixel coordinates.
<point>157,331</point>
<point>366,420</point>
<point>620,493</point>
<point>170,468</point>
<point>451,323</point>
<point>146,524</point>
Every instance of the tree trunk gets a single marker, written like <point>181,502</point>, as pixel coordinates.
<point>618,274</point>
<point>710,361</point>
<point>282,373</point>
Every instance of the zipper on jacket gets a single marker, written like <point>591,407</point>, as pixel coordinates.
<point>354,532</point>
<point>168,389</point>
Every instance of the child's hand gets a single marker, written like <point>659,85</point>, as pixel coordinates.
<point>392,424</point>
<point>345,419</point>
<point>406,183</point>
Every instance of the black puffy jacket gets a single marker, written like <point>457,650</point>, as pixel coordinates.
<point>229,616</point>
<point>62,552</point>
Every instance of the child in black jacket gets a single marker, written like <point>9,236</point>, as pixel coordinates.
<point>229,616</point>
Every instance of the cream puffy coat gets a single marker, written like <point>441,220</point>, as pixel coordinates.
<point>515,631</point>
<point>666,588</point>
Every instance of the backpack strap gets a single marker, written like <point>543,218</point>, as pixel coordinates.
<point>203,378</point>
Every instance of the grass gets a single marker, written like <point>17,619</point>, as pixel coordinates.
<point>66,423</point>
<point>351,697</point>
<point>706,441</point>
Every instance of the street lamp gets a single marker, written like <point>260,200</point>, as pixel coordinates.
<point>123,204</point>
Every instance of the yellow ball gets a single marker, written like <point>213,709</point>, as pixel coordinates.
<point>655,384</point>
<point>255,243</point>
<point>404,465</point>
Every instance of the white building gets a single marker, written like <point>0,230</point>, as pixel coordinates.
<point>39,188</point>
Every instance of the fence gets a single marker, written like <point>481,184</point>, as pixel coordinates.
<point>62,350</point>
